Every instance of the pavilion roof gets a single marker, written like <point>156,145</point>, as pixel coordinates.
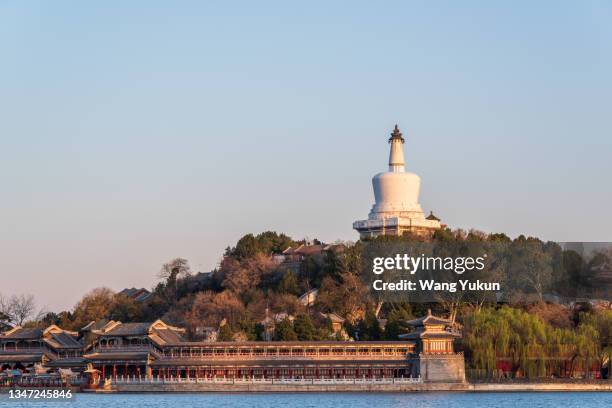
<point>429,319</point>
<point>432,217</point>
<point>428,335</point>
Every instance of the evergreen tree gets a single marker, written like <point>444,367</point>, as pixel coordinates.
<point>289,284</point>
<point>283,331</point>
<point>304,328</point>
<point>225,333</point>
<point>369,328</point>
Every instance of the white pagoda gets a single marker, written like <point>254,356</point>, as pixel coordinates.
<point>396,192</point>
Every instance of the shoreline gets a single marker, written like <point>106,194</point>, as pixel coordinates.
<point>341,388</point>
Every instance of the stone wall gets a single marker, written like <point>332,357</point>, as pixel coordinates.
<point>185,387</point>
<point>442,367</point>
<point>604,386</point>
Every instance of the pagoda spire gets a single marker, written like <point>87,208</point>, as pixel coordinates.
<point>396,154</point>
<point>396,135</point>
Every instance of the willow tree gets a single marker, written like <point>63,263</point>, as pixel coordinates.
<point>601,322</point>
<point>532,347</point>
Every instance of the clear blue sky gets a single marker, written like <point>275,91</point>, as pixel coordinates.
<point>135,132</point>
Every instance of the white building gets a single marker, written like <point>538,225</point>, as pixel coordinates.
<point>396,192</point>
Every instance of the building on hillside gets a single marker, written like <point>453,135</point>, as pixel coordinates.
<point>335,320</point>
<point>270,321</point>
<point>297,255</point>
<point>207,333</point>
<point>309,298</point>
<point>396,192</point>
<point>301,252</point>
<point>139,295</point>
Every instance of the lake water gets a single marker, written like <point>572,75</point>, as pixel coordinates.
<point>332,400</point>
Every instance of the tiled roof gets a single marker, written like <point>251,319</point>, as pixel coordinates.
<point>29,358</point>
<point>429,319</point>
<point>305,344</point>
<point>334,317</point>
<point>129,329</point>
<point>309,249</point>
<point>139,295</point>
<point>66,362</point>
<point>335,247</point>
<point>166,336</point>
<point>428,335</point>
<point>22,333</point>
<point>63,340</point>
<point>127,355</point>
<point>432,217</point>
<point>311,293</point>
<point>398,361</point>
<point>143,295</point>
<point>96,325</point>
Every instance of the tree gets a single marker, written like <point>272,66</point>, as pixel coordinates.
<point>530,269</point>
<point>553,314</point>
<point>171,272</point>
<point>5,321</point>
<point>283,331</point>
<point>369,328</point>
<point>347,261</point>
<point>175,268</point>
<point>16,309</point>
<point>601,321</point>
<point>125,309</point>
<point>286,303</point>
<point>225,333</point>
<point>246,247</point>
<point>349,297</point>
<point>395,321</point>
<point>289,284</point>
<point>265,243</point>
<point>304,329</point>
<point>209,309</point>
<point>51,318</point>
<point>95,305</point>
<point>532,347</point>
<point>240,276</point>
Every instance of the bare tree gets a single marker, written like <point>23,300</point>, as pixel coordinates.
<point>17,308</point>
<point>172,272</point>
<point>177,267</point>
<point>5,319</point>
<point>23,306</point>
